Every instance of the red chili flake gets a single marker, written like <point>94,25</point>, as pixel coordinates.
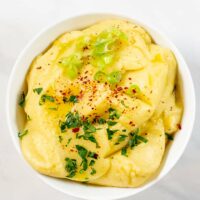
<point>95,155</point>
<point>179,126</point>
<point>119,88</point>
<point>75,130</point>
<point>85,48</point>
<point>80,96</point>
<point>125,88</point>
<point>134,91</point>
<point>129,78</point>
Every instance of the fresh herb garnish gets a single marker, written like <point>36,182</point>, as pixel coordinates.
<point>73,99</point>
<point>22,100</point>
<point>111,123</point>
<point>68,141</point>
<point>121,139</point>
<point>45,98</point>
<point>71,167</point>
<point>72,120</point>
<point>101,121</point>
<point>136,139</point>
<point>92,162</point>
<point>90,137</point>
<point>169,136</point>
<point>53,108</point>
<point>113,114</point>
<point>83,153</point>
<point>122,102</point>
<point>92,155</point>
<point>93,171</point>
<point>37,90</point>
<point>88,127</point>
<point>124,151</point>
<point>60,138</point>
<point>110,133</point>
<point>22,134</point>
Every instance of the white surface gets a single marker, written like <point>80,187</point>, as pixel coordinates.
<point>20,20</point>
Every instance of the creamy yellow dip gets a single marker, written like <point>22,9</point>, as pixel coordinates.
<point>101,105</point>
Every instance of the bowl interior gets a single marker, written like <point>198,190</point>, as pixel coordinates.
<point>15,117</point>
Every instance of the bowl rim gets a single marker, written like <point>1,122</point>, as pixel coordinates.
<point>115,15</point>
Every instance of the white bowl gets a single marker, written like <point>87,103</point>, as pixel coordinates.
<point>14,116</point>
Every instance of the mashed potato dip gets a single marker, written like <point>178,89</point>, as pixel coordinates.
<point>101,105</point>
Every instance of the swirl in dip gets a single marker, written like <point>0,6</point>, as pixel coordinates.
<point>101,105</point>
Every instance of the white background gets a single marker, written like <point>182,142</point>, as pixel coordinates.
<point>20,20</point>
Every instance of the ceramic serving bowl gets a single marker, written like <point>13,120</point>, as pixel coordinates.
<point>15,116</point>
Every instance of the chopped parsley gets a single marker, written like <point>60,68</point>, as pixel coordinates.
<point>93,171</point>
<point>110,133</point>
<point>72,120</point>
<point>83,153</point>
<point>111,123</point>
<point>122,102</point>
<point>101,121</point>
<point>73,99</point>
<point>68,141</point>
<point>71,167</point>
<point>121,139</point>
<point>45,98</point>
<point>37,90</point>
<point>92,155</point>
<point>60,138</point>
<point>136,139</point>
<point>88,127</point>
<point>22,100</point>
<point>92,162</point>
<point>22,134</point>
<point>90,137</point>
<point>124,151</point>
<point>169,136</point>
<point>113,114</point>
